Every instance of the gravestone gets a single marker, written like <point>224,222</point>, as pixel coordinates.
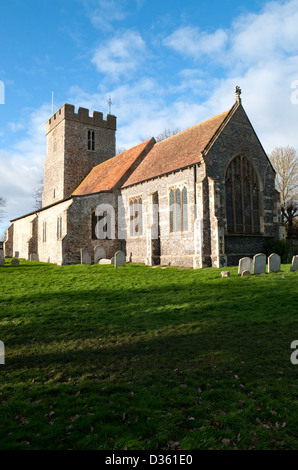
<point>259,263</point>
<point>85,256</point>
<point>245,273</point>
<point>245,264</point>
<point>274,263</point>
<point>99,253</point>
<point>294,266</point>
<point>112,260</point>
<point>34,257</point>
<point>15,262</point>
<point>2,261</point>
<point>119,259</point>
<point>104,261</point>
<point>16,254</point>
<point>225,274</point>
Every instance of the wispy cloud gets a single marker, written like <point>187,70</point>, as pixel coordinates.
<point>121,55</point>
<point>196,43</point>
<point>104,14</point>
<point>22,164</point>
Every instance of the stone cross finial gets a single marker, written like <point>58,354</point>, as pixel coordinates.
<point>237,91</point>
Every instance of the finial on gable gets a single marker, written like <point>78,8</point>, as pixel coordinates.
<point>237,91</point>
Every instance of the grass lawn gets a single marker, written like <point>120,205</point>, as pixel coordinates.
<point>141,358</point>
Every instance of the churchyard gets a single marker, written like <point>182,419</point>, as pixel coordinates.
<point>147,358</point>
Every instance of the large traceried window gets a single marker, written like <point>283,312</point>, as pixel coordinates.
<point>178,210</point>
<point>242,197</point>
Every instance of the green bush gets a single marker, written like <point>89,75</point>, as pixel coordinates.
<point>280,247</point>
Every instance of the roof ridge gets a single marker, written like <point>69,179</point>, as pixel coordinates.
<point>195,126</point>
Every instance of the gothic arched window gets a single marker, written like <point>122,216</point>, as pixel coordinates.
<point>136,217</point>
<point>178,210</point>
<point>242,197</point>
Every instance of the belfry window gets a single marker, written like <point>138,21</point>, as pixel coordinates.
<point>178,210</point>
<point>135,217</point>
<point>242,197</point>
<point>91,140</point>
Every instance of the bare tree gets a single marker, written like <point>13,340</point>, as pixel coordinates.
<point>290,213</point>
<point>2,205</point>
<point>285,162</point>
<point>37,195</point>
<point>167,133</point>
<point>163,135</point>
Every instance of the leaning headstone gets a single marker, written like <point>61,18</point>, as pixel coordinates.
<point>119,259</point>
<point>245,264</point>
<point>2,262</point>
<point>85,256</point>
<point>294,266</point>
<point>225,274</point>
<point>15,262</point>
<point>99,253</point>
<point>274,263</point>
<point>259,263</point>
<point>104,261</point>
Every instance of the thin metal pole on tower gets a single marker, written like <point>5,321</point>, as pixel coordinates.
<point>110,102</point>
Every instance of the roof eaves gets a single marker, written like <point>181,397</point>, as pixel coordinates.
<point>42,209</point>
<point>161,175</point>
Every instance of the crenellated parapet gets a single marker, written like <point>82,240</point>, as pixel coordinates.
<point>67,111</point>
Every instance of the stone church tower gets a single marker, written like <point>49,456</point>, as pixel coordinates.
<point>76,143</point>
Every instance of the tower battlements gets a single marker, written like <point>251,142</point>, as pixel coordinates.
<point>67,111</point>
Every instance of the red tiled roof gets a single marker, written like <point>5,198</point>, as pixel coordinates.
<point>178,151</point>
<point>109,174</point>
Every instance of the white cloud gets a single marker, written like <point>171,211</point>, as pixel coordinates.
<point>22,165</point>
<point>193,42</point>
<point>120,56</point>
<point>103,13</point>
<point>259,52</point>
<point>273,33</point>
<point>16,126</point>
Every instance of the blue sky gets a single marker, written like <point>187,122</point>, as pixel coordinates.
<point>168,64</point>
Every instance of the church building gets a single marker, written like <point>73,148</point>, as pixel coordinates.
<point>203,197</point>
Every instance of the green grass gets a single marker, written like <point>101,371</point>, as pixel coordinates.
<point>141,358</point>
